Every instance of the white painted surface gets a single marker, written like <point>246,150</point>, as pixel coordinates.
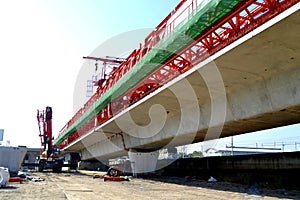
<point>12,157</point>
<point>4,176</point>
<point>143,162</point>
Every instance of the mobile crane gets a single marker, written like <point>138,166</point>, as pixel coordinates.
<point>50,155</point>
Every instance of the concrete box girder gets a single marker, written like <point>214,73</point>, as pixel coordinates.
<point>260,76</point>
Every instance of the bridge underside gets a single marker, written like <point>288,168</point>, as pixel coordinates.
<point>258,89</point>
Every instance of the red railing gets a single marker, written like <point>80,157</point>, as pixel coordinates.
<point>247,16</point>
<point>165,27</point>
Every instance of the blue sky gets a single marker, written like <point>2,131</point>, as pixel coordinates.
<point>42,44</point>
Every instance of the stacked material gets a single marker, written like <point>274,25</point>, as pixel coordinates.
<point>27,176</point>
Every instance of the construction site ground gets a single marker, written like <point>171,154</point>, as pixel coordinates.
<point>83,185</point>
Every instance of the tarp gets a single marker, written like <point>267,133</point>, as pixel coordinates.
<point>201,18</point>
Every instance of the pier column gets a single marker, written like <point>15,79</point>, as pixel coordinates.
<point>143,162</point>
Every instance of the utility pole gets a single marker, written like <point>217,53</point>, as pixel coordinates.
<point>232,145</point>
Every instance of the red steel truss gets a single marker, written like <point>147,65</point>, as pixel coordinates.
<point>240,21</point>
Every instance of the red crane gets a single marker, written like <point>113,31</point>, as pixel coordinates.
<point>45,127</point>
<point>50,154</point>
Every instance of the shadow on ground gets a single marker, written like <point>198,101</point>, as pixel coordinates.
<point>227,186</point>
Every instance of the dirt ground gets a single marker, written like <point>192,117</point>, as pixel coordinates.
<point>82,185</point>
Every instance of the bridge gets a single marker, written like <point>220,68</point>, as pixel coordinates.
<point>210,69</point>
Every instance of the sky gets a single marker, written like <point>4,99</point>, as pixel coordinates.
<point>41,48</point>
<point>42,44</point>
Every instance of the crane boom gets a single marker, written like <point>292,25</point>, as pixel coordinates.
<point>50,153</point>
<point>109,59</point>
<point>45,128</point>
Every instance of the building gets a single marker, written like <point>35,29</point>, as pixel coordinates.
<point>235,151</point>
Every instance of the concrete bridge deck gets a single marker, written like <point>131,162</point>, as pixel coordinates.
<point>251,85</point>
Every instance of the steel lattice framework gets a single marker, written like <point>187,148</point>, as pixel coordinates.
<point>243,18</point>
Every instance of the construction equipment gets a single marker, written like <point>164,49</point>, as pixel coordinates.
<point>107,59</point>
<point>192,33</point>
<point>110,63</point>
<point>50,155</point>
